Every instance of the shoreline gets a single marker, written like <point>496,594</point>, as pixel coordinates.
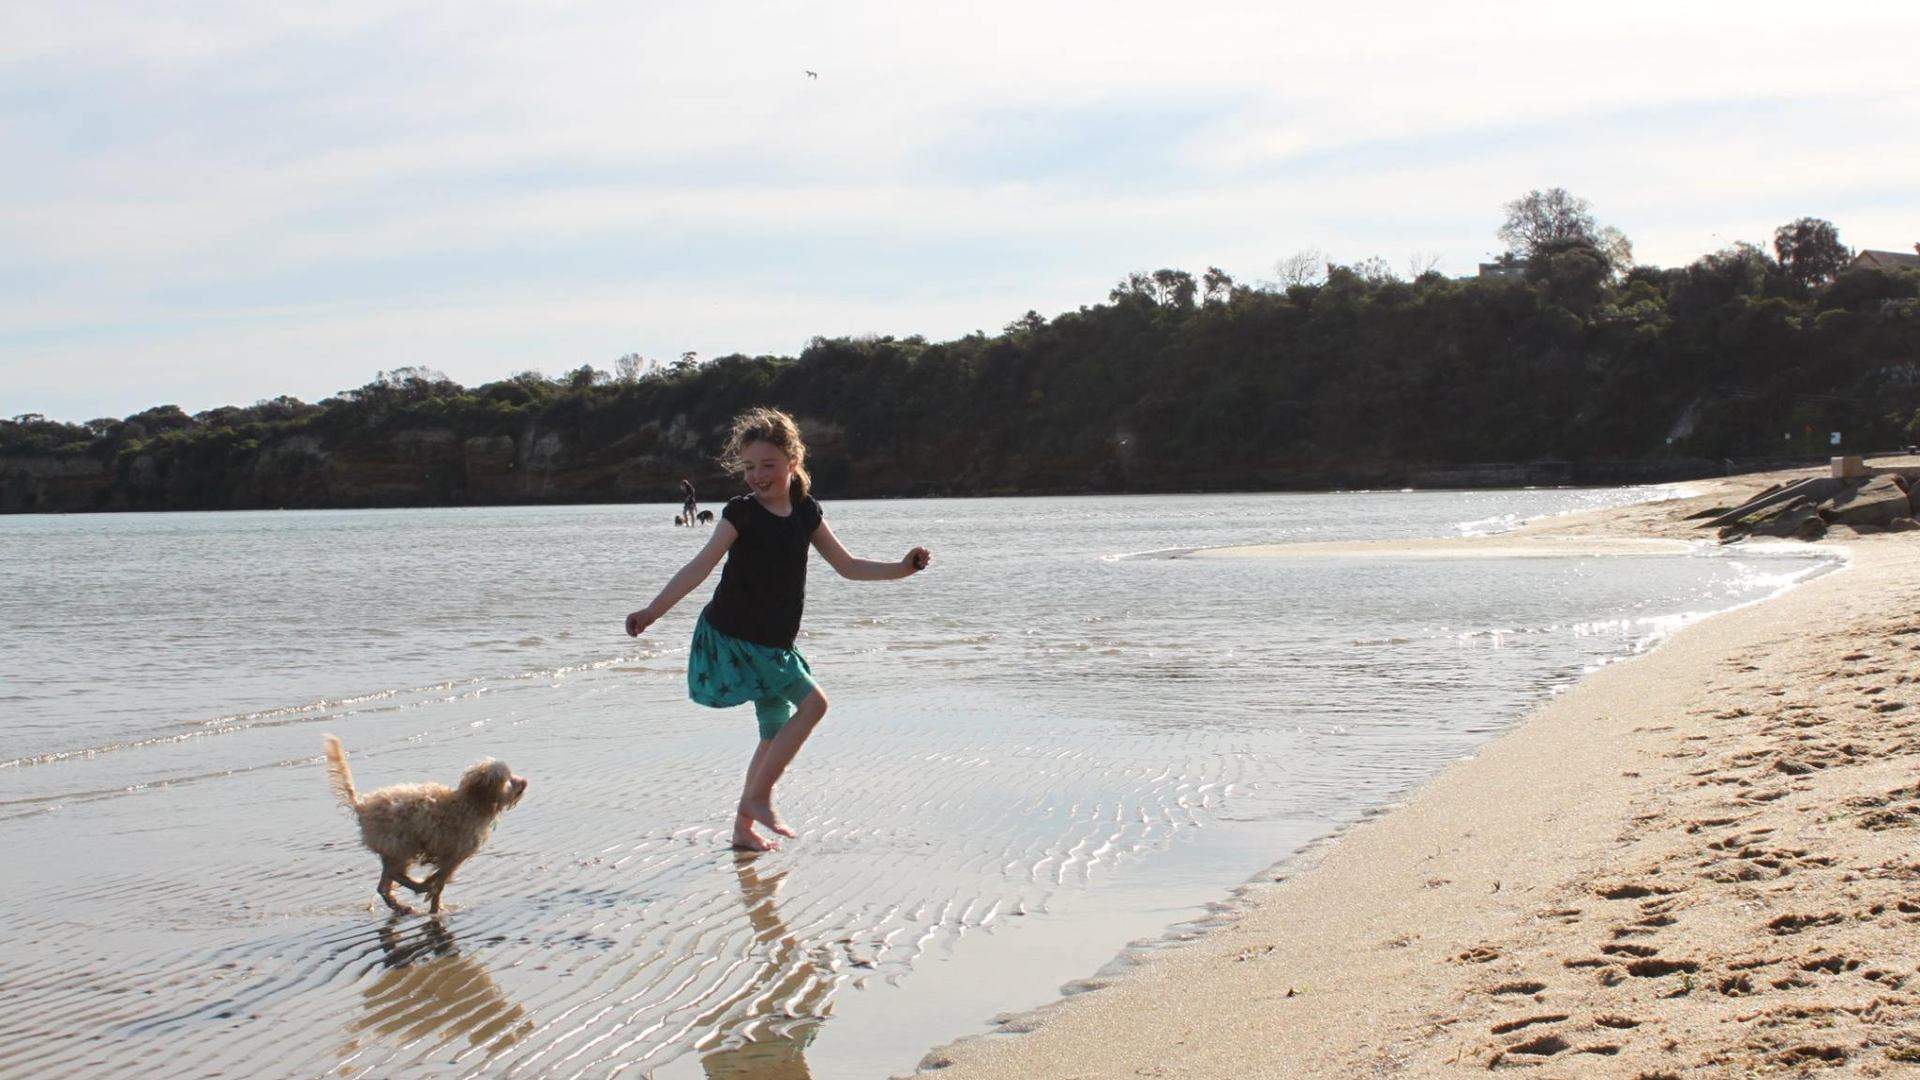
<point>1496,546</point>
<point>1485,477</point>
<point>1581,891</point>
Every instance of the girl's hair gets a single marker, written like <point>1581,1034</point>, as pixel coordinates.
<point>771,426</point>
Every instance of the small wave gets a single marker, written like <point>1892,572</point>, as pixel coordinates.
<point>1637,496</point>
<point>1154,553</point>
<point>1489,526</point>
<point>332,709</point>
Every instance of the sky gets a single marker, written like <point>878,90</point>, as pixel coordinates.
<point>208,202</point>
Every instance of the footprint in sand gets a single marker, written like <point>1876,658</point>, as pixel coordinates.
<point>1541,1047</point>
<point>1794,924</point>
<point>1654,968</point>
<point>1832,965</point>
<point>1529,1021</point>
<point>1810,1055</point>
<point>1634,891</point>
<point>1738,840</point>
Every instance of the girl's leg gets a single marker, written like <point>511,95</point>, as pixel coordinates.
<point>756,803</point>
<point>744,838</point>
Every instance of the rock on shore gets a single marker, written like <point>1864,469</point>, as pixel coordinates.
<point>1807,508</point>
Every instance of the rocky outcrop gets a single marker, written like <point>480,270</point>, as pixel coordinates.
<point>54,483</point>
<point>1880,501</point>
<point>414,467</point>
<point>1807,509</point>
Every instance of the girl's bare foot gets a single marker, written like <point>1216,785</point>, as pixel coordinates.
<point>745,839</point>
<point>762,812</point>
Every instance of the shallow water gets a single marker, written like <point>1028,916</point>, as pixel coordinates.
<point>1049,746</point>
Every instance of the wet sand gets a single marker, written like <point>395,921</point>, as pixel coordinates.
<point>1695,863</point>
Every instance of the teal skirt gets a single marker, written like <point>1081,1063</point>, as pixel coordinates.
<point>724,671</point>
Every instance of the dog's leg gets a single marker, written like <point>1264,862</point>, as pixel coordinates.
<point>388,875</point>
<point>397,870</point>
<point>435,884</point>
<point>386,893</point>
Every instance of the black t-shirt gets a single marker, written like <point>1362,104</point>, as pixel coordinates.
<point>764,584</point>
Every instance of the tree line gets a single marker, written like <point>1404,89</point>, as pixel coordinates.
<point>1572,352</point>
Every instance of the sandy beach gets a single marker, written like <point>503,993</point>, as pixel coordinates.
<point>1697,862</point>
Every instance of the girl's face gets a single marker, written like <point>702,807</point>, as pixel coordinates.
<point>767,469</point>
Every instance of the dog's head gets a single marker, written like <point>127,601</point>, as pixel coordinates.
<point>492,785</point>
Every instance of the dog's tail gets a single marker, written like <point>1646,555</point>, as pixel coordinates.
<point>338,775</point>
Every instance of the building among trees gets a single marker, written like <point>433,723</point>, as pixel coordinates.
<point>1887,260</point>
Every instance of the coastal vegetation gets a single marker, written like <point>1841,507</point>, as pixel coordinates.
<point>1563,351</point>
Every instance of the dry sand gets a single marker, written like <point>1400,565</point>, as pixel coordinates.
<point>1699,862</point>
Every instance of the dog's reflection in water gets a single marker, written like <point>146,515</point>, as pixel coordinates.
<point>427,989</point>
<point>781,1010</point>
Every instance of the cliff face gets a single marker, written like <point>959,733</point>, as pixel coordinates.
<point>412,467</point>
<point>55,483</point>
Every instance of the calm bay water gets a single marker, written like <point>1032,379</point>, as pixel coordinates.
<point>1055,742</point>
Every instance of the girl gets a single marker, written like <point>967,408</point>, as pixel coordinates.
<point>743,644</point>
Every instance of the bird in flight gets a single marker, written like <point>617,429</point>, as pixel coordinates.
<point>813,75</point>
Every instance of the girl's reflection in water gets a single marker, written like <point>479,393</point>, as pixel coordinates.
<point>778,1013</point>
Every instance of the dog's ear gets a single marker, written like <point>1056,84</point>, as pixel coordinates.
<point>486,782</point>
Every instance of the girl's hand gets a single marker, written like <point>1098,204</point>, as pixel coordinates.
<point>917,560</point>
<point>638,622</point>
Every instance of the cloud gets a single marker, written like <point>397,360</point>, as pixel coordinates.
<point>230,201</point>
<point>479,338</point>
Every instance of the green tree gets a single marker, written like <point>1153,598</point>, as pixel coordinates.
<point>1739,270</point>
<point>1374,270</point>
<point>1810,251</point>
<point>1175,288</point>
<point>1162,288</point>
<point>1216,285</point>
<point>585,377</point>
<point>1026,325</point>
<point>1574,276</point>
<point>162,418</point>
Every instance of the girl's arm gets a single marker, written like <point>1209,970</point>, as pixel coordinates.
<point>847,566</point>
<point>688,579</point>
